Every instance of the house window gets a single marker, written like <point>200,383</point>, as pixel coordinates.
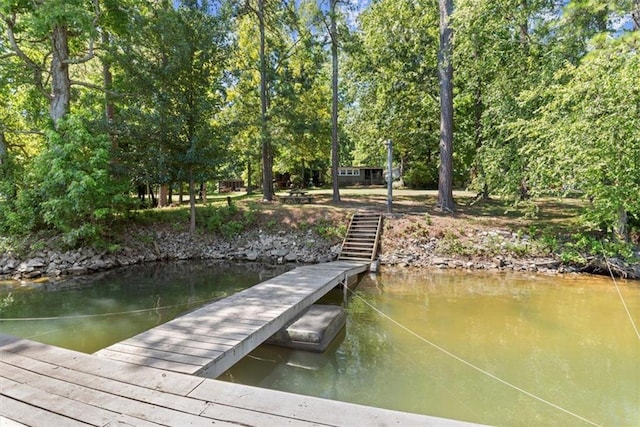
<point>349,172</point>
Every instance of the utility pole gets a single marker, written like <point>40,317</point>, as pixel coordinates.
<point>389,146</point>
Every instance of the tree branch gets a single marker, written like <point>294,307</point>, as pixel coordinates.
<point>8,55</point>
<point>90,53</point>
<point>37,70</point>
<point>14,44</point>
<point>96,87</point>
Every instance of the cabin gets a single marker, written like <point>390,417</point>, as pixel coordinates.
<point>228,185</point>
<point>360,175</point>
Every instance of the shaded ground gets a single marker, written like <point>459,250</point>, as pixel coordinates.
<point>414,215</point>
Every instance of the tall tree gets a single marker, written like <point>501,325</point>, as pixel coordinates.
<point>391,86</point>
<point>335,148</point>
<point>290,66</point>
<point>265,137</point>
<point>270,18</point>
<point>445,76</point>
<point>175,65</point>
<point>44,44</point>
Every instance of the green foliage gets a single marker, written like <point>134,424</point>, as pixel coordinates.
<point>68,187</point>
<point>6,302</point>
<point>330,231</point>
<point>546,100</point>
<point>422,176</point>
<point>549,242</point>
<point>228,221</point>
<point>589,245</point>
<point>450,244</point>
<point>392,84</point>
<point>586,137</point>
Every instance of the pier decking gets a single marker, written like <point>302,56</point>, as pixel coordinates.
<point>42,385</point>
<point>211,339</point>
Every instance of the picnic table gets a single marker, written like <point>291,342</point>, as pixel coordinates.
<point>296,196</point>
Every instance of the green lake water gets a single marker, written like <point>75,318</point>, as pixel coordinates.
<point>92,313</point>
<point>499,349</point>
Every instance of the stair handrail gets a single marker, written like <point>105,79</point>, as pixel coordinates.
<point>374,252</point>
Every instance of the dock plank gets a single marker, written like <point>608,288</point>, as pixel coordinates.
<point>41,397</point>
<point>24,414</point>
<point>241,321</point>
<point>183,336</point>
<point>66,388</point>
<point>193,347</point>
<point>138,359</point>
<point>313,410</point>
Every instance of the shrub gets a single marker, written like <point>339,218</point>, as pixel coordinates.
<point>421,176</point>
<point>69,187</point>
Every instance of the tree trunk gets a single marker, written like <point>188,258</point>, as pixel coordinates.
<point>163,196</point>
<point>267,160</point>
<point>445,75</point>
<point>249,183</point>
<point>109,107</point>
<point>335,148</point>
<point>192,202</point>
<point>623,224</point>
<point>203,191</point>
<point>3,148</point>
<point>635,14</point>
<point>152,196</point>
<point>60,81</point>
<point>478,109</point>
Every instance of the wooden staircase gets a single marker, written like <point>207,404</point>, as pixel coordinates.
<point>363,238</point>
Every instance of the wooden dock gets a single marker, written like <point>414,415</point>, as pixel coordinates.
<point>42,385</point>
<point>211,339</point>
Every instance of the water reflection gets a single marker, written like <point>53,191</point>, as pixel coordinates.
<point>90,313</point>
<point>566,340</point>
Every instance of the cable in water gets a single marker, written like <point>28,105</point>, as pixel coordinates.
<point>624,304</point>
<point>471,365</point>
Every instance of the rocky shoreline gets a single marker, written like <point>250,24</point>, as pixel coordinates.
<point>274,248</point>
<point>155,246</point>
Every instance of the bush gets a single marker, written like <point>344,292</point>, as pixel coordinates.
<point>226,220</point>
<point>422,176</point>
<point>68,187</point>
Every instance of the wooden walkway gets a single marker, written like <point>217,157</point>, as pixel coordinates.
<point>42,385</point>
<point>211,339</point>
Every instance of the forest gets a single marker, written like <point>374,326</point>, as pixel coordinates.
<point>525,98</point>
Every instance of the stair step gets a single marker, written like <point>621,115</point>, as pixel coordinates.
<point>354,258</point>
<point>349,249</point>
<point>361,241</point>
